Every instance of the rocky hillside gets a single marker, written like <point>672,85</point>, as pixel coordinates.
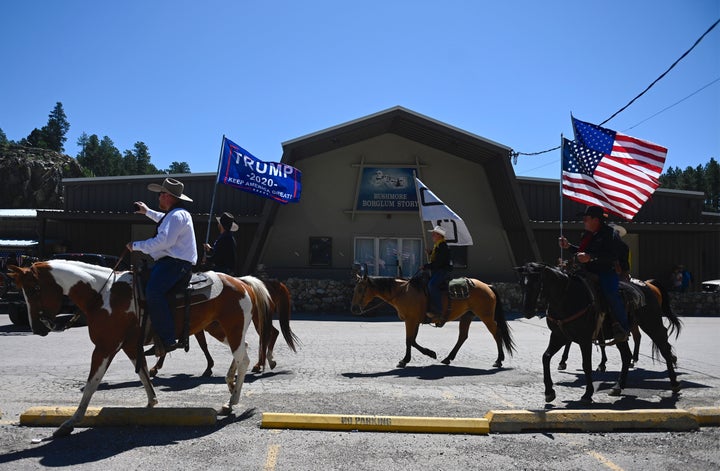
<point>32,178</point>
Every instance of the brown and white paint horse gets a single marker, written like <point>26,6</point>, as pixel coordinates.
<point>281,306</point>
<point>107,299</point>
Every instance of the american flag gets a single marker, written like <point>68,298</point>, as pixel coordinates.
<point>609,169</point>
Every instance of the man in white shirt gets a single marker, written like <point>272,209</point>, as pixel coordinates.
<point>175,252</point>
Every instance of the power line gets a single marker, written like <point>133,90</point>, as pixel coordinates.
<point>664,73</point>
<point>515,155</point>
<point>676,103</point>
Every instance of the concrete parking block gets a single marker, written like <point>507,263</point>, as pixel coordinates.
<point>509,421</point>
<point>375,423</point>
<point>706,416</point>
<point>120,416</point>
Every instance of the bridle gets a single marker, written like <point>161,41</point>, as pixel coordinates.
<point>361,294</point>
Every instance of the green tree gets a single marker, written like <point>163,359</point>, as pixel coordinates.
<point>178,167</point>
<point>100,158</point>
<point>712,185</point>
<point>136,161</point>
<point>52,135</point>
<point>3,139</point>
<point>56,129</point>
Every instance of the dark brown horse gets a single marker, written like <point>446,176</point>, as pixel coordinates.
<point>571,316</point>
<point>661,294</point>
<point>281,306</point>
<point>410,301</point>
<point>107,298</point>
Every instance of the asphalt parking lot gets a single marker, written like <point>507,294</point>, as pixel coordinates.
<point>347,365</point>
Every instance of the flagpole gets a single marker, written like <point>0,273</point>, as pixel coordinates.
<point>422,223</point>
<point>212,203</point>
<point>561,193</point>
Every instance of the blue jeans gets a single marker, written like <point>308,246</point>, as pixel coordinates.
<point>609,284</point>
<point>164,275</point>
<point>436,279</point>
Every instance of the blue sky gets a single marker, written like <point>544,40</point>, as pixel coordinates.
<point>178,75</point>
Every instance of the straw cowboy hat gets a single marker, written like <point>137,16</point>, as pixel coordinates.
<point>172,186</point>
<point>622,232</point>
<point>438,230</point>
<point>227,221</point>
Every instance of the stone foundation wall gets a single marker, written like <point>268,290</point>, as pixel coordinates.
<point>332,296</point>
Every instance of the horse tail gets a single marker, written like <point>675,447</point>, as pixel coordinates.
<point>675,322</point>
<point>283,306</point>
<point>263,304</point>
<point>502,325</point>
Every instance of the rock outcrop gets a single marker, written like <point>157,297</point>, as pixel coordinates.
<point>32,178</point>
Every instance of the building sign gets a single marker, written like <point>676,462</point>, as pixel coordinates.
<point>387,189</point>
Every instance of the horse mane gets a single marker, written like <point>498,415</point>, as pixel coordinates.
<point>384,284</point>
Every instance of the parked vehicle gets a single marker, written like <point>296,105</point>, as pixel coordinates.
<point>711,286</point>
<point>16,306</point>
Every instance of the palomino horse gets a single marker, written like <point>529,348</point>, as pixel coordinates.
<point>281,305</point>
<point>662,296</point>
<point>107,299</point>
<point>410,302</point>
<point>570,310</point>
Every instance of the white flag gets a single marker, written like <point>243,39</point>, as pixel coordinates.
<point>439,214</point>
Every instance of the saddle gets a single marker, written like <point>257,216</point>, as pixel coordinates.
<point>633,294</point>
<point>191,289</point>
<point>600,308</point>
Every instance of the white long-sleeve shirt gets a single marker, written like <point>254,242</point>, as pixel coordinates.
<point>175,236</point>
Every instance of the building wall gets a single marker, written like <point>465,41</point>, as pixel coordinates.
<point>326,207</point>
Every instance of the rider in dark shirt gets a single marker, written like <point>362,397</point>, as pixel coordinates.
<point>598,251</point>
<point>220,256</point>
<point>440,267</point>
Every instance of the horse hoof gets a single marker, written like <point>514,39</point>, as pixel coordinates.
<point>446,361</point>
<point>225,411</point>
<point>272,364</point>
<point>256,369</point>
<point>63,431</point>
<point>549,397</point>
<point>586,400</point>
<point>615,392</point>
<point>432,355</point>
<point>676,388</point>
<point>497,364</point>
<point>153,372</point>
<point>562,366</point>
<point>402,364</point>
<point>207,373</point>
<point>600,368</point>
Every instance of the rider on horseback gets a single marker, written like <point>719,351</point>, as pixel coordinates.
<point>440,266</point>
<point>598,252</point>
<point>174,250</point>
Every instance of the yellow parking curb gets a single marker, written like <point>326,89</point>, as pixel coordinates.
<point>119,416</point>
<point>375,423</point>
<point>706,416</point>
<point>504,421</point>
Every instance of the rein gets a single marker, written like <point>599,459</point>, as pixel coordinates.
<point>365,311</point>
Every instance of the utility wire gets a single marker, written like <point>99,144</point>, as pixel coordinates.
<point>664,73</point>
<point>515,155</point>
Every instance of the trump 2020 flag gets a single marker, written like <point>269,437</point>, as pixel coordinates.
<point>240,169</point>
<point>438,213</point>
<point>610,169</point>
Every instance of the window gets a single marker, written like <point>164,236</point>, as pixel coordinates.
<point>389,256</point>
<point>321,251</point>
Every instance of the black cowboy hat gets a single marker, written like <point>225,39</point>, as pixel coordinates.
<point>227,221</point>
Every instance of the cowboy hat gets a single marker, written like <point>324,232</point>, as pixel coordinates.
<point>622,232</point>
<point>227,221</point>
<point>172,186</point>
<point>438,230</point>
